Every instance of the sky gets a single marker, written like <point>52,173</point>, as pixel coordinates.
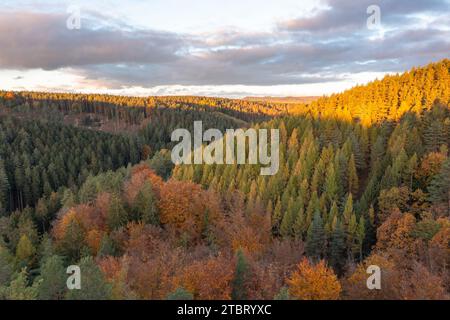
<point>232,48</point>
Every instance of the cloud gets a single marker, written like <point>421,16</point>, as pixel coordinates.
<point>321,47</point>
<point>42,40</point>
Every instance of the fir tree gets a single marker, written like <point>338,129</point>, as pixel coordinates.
<point>315,242</point>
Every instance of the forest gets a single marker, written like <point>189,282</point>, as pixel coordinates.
<point>364,180</point>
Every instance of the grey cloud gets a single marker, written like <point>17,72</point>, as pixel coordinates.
<point>350,15</point>
<point>36,40</point>
<point>305,50</point>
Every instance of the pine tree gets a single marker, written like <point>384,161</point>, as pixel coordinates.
<point>337,248</point>
<point>440,187</point>
<point>276,217</point>
<point>145,206</point>
<point>25,251</point>
<point>6,266</point>
<point>19,289</point>
<point>93,283</point>
<point>331,185</point>
<point>348,209</point>
<point>4,189</point>
<point>352,177</point>
<point>52,279</point>
<point>360,236</point>
<point>287,224</point>
<point>117,215</point>
<point>315,242</point>
<point>180,294</point>
<point>239,283</point>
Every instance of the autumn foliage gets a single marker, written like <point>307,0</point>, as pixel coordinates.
<point>314,282</point>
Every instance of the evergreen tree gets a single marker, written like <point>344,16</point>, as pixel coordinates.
<point>315,242</point>
<point>4,189</point>
<point>52,279</point>
<point>93,283</point>
<point>180,294</point>
<point>19,289</point>
<point>352,178</point>
<point>440,187</point>
<point>145,206</point>
<point>117,215</point>
<point>239,283</point>
<point>6,266</point>
<point>25,251</point>
<point>337,248</point>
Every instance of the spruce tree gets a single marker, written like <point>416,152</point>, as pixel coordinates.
<point>337,248</point>
<point>93,283</point>
<point>315,242</point>
<point>145,206</point>
<point>352,177</point>
<point>239,283</point>
<point>52,279</point>
<point>439,188</point>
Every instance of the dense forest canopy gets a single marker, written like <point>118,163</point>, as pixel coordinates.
<point>364,180</point>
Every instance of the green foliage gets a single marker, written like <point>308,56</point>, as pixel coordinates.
<point>180,294</point>
<point>19,288</point>
<point>52,279</point>
<point>316,238</point>
<point>144,207</point>
<point>93,283</point>
<point>241,274</point>
<point>283,294</point>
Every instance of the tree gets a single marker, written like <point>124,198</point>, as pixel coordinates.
<point>315,242</point>
<point>25,251</point>
<point>348,209</point>
<point>337,248</point>
<point>52,279</point>
<point>239,283</point>
<point>331,185</point>
<point>207,279</point>
<point>314,282</point>
<point>6,266</point>
<point>117,216</point>
<point>4,189</point>
<point>283,294</point>
<point>440,187</point>
<point>360,236</point>
<point>352,177</point>
<point>145,205</point>
<point>70,234</point>
<point>93,283</point>
<point>180,294</point>
<point>19,289</point>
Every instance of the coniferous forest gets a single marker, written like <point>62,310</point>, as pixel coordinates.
<point>364,180</point>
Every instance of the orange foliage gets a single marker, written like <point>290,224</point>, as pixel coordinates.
<point>398,282</point>
<point>140,174</point>
<point>185,205</point>
<point>395,232</point>
<point>355,287</point>
<point>9,95</point>
<point>207,280</point>
<point>314,282</point>
<point>111,267</point>
<point>59,230</point>
<point>93,239</point>
<point>430,166</point>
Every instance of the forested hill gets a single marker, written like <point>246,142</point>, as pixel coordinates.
<point>365,172</point>
<point>389,98</point>
<point>133,110</point>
